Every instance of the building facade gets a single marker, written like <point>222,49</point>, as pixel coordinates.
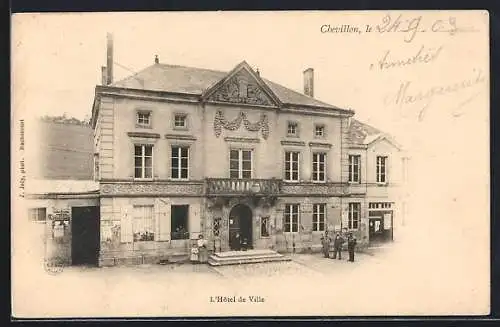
<point>243,161</point>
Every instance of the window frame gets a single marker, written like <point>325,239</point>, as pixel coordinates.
<point>378,169</point>
<point>315,174</point>
<point>317,216</point>
<point>288,216</point>
<point>352,171</point>
<point>179,158</point>
<point>152,222</point>
<point>172,232</point>
<point>289,158</point>
<point>186,123</point>
<point>36,212</point>
<point>143,161</point>
<point>240,162</point>
<point>323,129</point>
<point>296,126</point>
<point>351,213</point>
<point>139,112</point>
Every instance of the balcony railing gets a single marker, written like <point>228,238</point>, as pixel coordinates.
<point>243,186</point>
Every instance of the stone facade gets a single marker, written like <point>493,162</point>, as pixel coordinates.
<point>240,112</point>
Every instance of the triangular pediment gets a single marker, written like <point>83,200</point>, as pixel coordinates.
<point>242,86</point>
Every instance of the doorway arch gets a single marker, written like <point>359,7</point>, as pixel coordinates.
<point>240,227</point>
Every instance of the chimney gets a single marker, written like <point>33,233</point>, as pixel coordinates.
<point>104,73</point>
<point>309,82</point>
<point>157,60</point>
<point>109,56</point>
<point>258,72</point>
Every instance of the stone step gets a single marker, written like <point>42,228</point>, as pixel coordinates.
<point>245,257</point>
<point>246,261</point>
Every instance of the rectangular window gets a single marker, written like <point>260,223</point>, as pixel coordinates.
<point>319,170</point>
<point>354,168</point>
<point>143,224</point>
<point>180,162</point>
<point>292,166</point>
<point>180,121</point>
<point>264,226</point>
<point>37,214</point>
<point>143,156</point>
<point>319,131</point>
<point>291,217</point>
<point>354,215</point>
<point>293,129</point>
<point>381,169</point>
<point>179,222</point>
<point>319,210</point>
<point>240,164</point>
<point>143,119</point>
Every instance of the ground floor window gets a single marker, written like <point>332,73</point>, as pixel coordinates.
<point>143,224</point>
<point>179,222</point>
<point>354,215</point>
<point>291,217</point>
<point>37,214</point>
<point>319,210</point>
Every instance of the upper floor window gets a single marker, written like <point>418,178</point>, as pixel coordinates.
<point>143,119</point>
<point>354,214</point>
<point>143,156</point>
<point>240,163</point>
<point>292,166</point>
<point>381,169</point>
<point>319,131</point>
<point>319,210</point>
<point>180,162</point>
<point>291,218</point>
<point>37,214</point>
<point>180,121</point>
<point>319,161</point>
<point>292,128</point>
<point>354,168</point>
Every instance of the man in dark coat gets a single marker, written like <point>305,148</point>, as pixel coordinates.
<point>337,246</point>
<point>325,242</point>
<point>351,244</point>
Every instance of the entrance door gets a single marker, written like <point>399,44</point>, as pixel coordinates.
<point>85,235</point>
<point>240,227</point>
<point>376,229</point>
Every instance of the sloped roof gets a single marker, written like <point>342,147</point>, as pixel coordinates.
<point>181,79</point>
<point>359,133</point>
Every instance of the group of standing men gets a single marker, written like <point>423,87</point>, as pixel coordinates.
<point>338,242</point>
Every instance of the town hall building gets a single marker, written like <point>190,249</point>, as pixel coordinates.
<point>181,152</point>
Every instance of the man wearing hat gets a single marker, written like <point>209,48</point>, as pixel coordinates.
<point>351,244</point>
<point>337,246</point>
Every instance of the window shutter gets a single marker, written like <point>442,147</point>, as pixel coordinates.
<point>345,218</point>
<point>164,221</point>
<point>127,214</point>
<point>194,221</point>
<point>306,217</point>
